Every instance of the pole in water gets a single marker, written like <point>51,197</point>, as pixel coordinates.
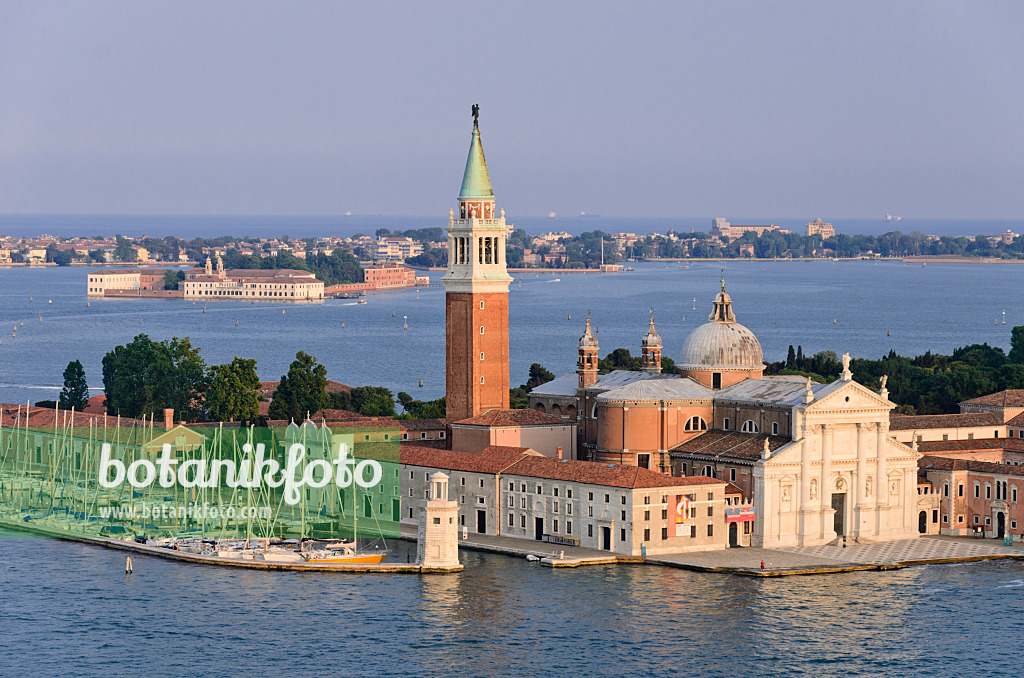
<point>128,565</point>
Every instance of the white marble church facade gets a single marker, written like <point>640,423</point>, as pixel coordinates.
<point>842,474</point>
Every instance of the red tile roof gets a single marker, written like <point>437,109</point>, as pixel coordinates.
<point>500,417</point>
<point>977,444</point>
<point>928,421</point>
<point>948,464</point>
<point>1008,398</point>
<point>730,444</point>
<point>44,417</point>
<point>267,388</point>
<point>1017,421</point>
<point>525,462</point>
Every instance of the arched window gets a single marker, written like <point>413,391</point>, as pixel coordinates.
<point>556,410</point>
<point>695,424</point>
<point>539,407</point>
<point>749,426</point>
<point>708,471</point>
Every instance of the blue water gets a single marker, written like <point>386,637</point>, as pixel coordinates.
<point>69,610</point>
<point>937,308</point>
<point>208,226</point>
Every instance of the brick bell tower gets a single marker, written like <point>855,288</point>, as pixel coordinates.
<point>476,295</point>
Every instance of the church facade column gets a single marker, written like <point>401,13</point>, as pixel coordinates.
<point>828,532</point>
<point>881,482</point>
<point>808,530</point>
<point>860,489</point>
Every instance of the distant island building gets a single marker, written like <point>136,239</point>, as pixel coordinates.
<point>822,228</point>
<point>395,247</point>
<point>723,229</point>
<point>283,284</point>
<point>119,281</point>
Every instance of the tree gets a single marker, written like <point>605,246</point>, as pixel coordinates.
<point>75,393</point>
<point>373,401</point>
<point>234,391</point>
<point>124,250</point>
<point>539,375</point>
<point>790,357</point>
<point>1016,355</point>
<point>172,278</point>
<point>668,366</point>
<point>145,376</point>
<point>302,392</point>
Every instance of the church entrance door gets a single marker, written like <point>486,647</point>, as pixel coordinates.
<point>538,529</point>
<point>734,535</point>
<point>839,504</point>
<point>922,522</point>
<point>1000,525</point>
<point>606,538</point>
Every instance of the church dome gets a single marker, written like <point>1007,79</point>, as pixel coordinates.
<point>722,344</point>
<point>652,338</point>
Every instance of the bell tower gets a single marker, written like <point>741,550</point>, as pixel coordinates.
<point>476,295</point>
<point>586,367</point>
<point>650,350</point>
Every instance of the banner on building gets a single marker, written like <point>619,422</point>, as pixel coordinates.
<point>682,516</point>
<point>739,514</point>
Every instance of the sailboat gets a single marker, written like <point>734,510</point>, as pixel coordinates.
<point>342,551</point>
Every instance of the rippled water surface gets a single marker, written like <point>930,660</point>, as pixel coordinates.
<point>69,609</point>
<point>865,308</point>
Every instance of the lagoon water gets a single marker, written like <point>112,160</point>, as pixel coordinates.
<point>839,306</point>
<point>69,610</point>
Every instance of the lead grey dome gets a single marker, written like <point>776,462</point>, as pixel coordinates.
<point>722,343</point>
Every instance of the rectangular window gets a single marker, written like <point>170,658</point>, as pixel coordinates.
<point>554,492</point>
<point>935,515</point>
<point>622,534</point>
<point>568,527</point>
<point>481,329</point>
<point>977,491</point>
<point>607,498</point>
<point>568,493</point>
<point>1013,494</point>
<point>623,499</point>
<point>590,530</point>
<point>481,305</point>
<point>775,428</point>
<point>711,510</point>
<point>481,482</point>
<point>725,424</point>
<point>664,514</point>
<point>590,511</point>
<point>693,531</point>
<point>732,475</point>
<point>711,530</point>
<point>647,515</point>
<point>623,515</point>
<point>970,436</point>
<point>511,487</point>
<point>481,355</point>
<point>512,502</point>
<point>647,534</point>
<point>554,506</point>
<point>568,508</point>
<point>554,525</point>
<point>511,520</point>
<point>664,533</point>
<point>522,502</point>
<point>522,520</point>
<point>960,490</point>
<point>590,496</point>
<point>988,492</point>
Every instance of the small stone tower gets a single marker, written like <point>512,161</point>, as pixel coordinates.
<point>209,266</point>
<point>650,350</point>
<point>587,365</point>
<point>220,267</point>
<point>437,544</point>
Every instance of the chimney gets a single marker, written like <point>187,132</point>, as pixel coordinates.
<point>168,418</point>
<point>558,452</point>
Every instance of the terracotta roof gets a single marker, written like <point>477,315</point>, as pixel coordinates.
<point>490,460</point>
<point>339,415</point>
<point>931,446</point>
<point>732,489</point>
<point>1017,421</point>
<point>927,421</point>
<point>44,417</point>
<point>499,417</point>
<point>96,404</point>
<point>947,464</point>
<point>731,444</point>
<point>609,475</point>
<point>1008,398</point>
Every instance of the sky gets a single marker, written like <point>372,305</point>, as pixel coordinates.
<point>651,109</point>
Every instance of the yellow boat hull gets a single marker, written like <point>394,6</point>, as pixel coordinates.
<point>371,558</point>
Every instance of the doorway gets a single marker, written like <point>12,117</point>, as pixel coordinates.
<point>922,522</point>
<point>538,529</point>
<point>839,504</point>
<point>606,538</point>
<point>734,535</point>
<point>1000,525</point>
<point>481,522</point>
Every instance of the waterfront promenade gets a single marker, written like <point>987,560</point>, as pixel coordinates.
<point>795,560</point>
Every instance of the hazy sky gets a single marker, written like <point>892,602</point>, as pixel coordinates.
<point>616,108</point>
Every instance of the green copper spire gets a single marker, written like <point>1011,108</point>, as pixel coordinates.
<point>476,182</point>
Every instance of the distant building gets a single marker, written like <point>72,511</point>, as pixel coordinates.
<point>1007,237</point>
<point>723,229</point>
<point>822,228</point>
<point>392,247</point>
<point>389,276</point>
<point>257,284</point>
<point>114,279</point>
